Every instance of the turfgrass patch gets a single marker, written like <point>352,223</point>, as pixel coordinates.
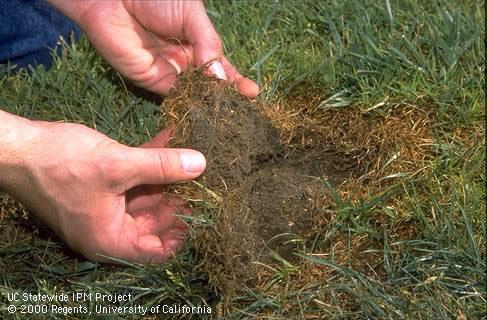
<point>276,171</point>
<point>402,236</point>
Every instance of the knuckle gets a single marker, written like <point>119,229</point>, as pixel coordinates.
<point>162,162</point>
<point>216,44</point>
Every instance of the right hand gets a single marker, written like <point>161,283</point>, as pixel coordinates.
<point>150,42</point>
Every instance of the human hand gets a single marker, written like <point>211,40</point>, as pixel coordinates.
<point>150,42</point>
<point>103,198</point>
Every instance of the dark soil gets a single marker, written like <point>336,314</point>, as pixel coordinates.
<point>267,187</point>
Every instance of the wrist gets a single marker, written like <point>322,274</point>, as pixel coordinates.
<point>74,9</point>
<point>86,13</point>
<point>18,137</point>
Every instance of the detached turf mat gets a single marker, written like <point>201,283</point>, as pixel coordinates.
<point>353,187</point>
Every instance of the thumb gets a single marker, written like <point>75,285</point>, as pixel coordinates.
<point>207,45</point>
<point>163,165</point>
<point>160,140</point>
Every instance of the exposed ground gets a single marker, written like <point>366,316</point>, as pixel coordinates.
<point>371,117</point>
<point>270,172</point>
<point>266,187</point>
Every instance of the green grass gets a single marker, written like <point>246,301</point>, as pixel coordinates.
<point>354,53</point>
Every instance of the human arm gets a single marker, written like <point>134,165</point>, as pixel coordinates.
<point>150,42</point>
<point>101,197</point>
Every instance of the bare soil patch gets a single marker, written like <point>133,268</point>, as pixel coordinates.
<point>270,180</point>
<point>266,187</point>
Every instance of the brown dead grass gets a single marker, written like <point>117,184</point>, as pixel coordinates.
<point>376,145</point>
<point>374,151</point>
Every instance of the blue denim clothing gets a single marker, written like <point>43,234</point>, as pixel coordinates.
<point>29,30</point>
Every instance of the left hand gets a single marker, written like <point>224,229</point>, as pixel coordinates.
<point>104,199</point>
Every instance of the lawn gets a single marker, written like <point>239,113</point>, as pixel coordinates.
<point>396,87</point>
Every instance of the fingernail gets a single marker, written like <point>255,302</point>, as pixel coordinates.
<point>175,65</point>
<point>193,162</point>
<point>217,69</point>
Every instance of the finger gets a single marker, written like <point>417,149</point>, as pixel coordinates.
<point>178,53</point>
<point>165,216</point>
<point>142,197</point>
<point>145,248</point>
<point>207,45</point>
<point>157,249</point>
<point>142,246</point>
<point>162,166</point>
<point>160,140</point>
<point>159,77</point>
<point>246,86</point>
<point>185,55</point>
<point>145,196</point>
